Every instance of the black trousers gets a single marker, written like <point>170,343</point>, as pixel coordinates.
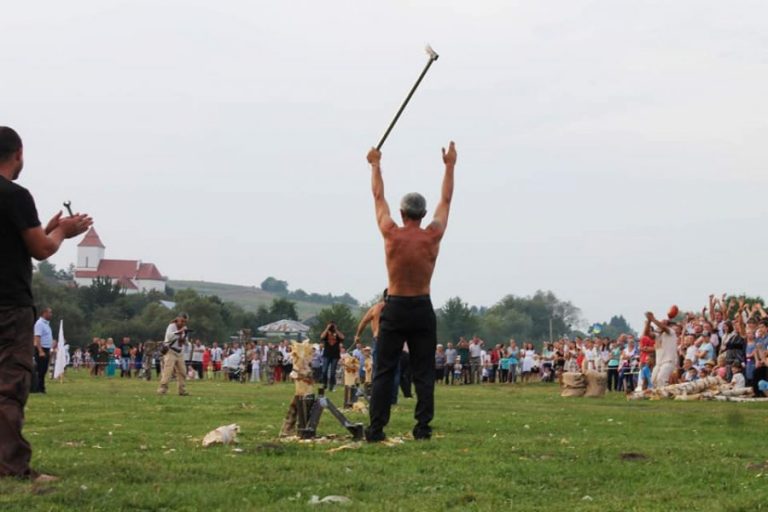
<point>41,363</point>
<point>16,353</point>
<point>198,366</point>
<point>406,377</point>
<point>410,319</point>
<point>760,374</point>
<point>613,379</point>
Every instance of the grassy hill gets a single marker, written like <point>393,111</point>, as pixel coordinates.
<point>249,297</point>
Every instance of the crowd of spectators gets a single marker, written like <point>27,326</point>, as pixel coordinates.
<point>254,361</point>
<point>728,338</point>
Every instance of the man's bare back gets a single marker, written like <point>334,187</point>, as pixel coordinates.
<point>411,251</point>
<point>411,254</point>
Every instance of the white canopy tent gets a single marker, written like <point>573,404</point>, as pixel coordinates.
<point>285,326</point>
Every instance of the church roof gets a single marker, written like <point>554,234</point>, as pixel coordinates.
<point>119,269</point>
<point>127,283</point>
<point>91,239</point>
<point>148,271</point>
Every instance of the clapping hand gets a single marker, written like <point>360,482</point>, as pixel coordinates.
<point>75,225</point>
<point>53,223</point>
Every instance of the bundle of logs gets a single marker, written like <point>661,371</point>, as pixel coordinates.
<point>593,384</point>
<point>708,388</point>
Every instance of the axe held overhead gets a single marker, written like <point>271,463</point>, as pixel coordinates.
<point>433,56</point>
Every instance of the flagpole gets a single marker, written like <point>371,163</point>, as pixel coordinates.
<point>61,355</point>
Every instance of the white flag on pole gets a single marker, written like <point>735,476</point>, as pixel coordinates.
<point>61,354</point>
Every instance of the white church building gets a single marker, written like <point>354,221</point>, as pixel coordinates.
<point>133,276</point>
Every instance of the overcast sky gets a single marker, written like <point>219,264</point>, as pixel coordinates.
<point>611,151</point>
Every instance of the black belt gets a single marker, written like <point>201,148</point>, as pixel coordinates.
<point>402,298</point>
<point>177,350</point>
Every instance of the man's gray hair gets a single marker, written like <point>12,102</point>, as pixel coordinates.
<point>413,206</point>
<point>183,315</point>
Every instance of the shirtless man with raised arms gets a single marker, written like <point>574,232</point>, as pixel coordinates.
<point>408,315</point>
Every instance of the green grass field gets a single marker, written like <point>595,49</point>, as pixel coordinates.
<point>118,446</point>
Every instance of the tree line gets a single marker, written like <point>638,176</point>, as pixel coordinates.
<point>280,287</point>
<point>104,310</point>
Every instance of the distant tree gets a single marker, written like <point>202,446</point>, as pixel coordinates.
<point>749,299</point>
<point>104,310</point>
<point>273,285</point>
<point>65,305</point>
<point>500,324</point>
<point>283,309</point>
<point>100,293</point>
<point>263,316</point>
<point>616,326</point>
<point>732,301</point>
<point>528,318</point>
<point>68,274</point>
<point>455,319</point>
<point>205,316</point>
<point>328,298</point>
<point>47,269</point>
<point>348,299</point>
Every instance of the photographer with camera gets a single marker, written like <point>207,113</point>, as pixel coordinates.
<point>332,338</point>
<point>173,358</point>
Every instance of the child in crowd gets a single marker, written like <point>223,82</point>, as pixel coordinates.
<point>631,370</point>
<point>644,381</point>
<point>738,381</point>
<point>720,369</point>
<point>457,369</point>
<point>504,367</point>
<point>209,371</point>
<point>762,387</point>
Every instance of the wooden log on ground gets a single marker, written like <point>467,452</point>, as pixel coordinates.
<point>688,398</point>
<point>736,391</point>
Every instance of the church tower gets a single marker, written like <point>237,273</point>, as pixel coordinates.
<point>90,251</point>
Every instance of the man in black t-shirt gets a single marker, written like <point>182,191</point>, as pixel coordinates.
<point>332,338</point>
<point>22,238</point>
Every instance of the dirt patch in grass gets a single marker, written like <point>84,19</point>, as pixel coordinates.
<point>633,456</point>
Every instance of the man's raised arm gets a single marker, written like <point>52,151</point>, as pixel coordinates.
<point>367,318</point>
<point>383,217</point>
<point>440,220</point>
